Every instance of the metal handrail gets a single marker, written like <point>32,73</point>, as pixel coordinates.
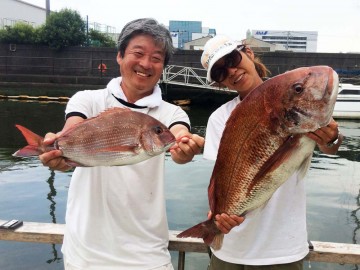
<point>189,76</point>
<point>51,233</point>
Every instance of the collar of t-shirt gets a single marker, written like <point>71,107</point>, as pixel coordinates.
<point>150,101</point>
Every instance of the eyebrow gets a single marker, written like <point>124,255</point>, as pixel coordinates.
<point>162,52</point>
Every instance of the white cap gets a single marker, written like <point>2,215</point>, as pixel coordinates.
<point>214,49</point>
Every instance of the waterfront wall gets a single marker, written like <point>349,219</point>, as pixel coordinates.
<point>84,61</point>
<point>39,70</point>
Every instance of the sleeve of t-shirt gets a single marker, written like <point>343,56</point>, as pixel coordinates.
<point>180,117</point>
<point>214,130</point>
<point>80,104</point>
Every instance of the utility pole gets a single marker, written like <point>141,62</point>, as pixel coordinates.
<point>47,8</point>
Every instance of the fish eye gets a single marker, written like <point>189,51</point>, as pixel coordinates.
<point>298,88</point>
<point>158,130</point>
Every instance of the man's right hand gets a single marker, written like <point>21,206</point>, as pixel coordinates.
<point>53,159</point>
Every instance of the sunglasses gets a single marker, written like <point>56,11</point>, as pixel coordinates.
<point>231,60</point>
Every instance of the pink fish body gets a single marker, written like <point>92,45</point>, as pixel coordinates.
<point>263,143</point>
<point>115,137</point>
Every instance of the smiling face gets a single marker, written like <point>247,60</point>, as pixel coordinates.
<point>141,67</point>
<point>243,78</point>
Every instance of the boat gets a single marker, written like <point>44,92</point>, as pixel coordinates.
<point>347,104</point>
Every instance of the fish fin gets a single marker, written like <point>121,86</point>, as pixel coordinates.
<point>206,230</point>
<point>34,143</point>
<point>30,137</point>
<point>211,193</point>
<point>117,109</point>
<point>73,163</point>
<point>112,110</point>
<point>304,167</point>
<point>28,151</point>
<point>278,157</point>
<point>217,242</point>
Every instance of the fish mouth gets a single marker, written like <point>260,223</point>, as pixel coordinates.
<point>169,145</point>
<point>294,115</point>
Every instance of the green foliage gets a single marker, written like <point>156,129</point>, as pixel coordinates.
<point>20,33</point>
<point>63,28</point>
<point>98,39</point>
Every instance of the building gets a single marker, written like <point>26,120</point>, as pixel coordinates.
<point>12,11</point>
<point>185,31</point>
<point>297,41</point>
<point>197,44</point>
<point>258,45</point>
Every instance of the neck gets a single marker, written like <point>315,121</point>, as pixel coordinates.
<point>243,94</point>
<point>134,95</point>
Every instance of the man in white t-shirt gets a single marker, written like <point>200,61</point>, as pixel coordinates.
<point>116,216</point>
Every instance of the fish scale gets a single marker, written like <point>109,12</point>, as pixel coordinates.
<point>116,137</point>
<point>263,143</point>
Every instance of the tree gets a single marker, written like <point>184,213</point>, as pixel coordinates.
<point>98,39</point>
<point>20,33</point>
<point>63,28</point>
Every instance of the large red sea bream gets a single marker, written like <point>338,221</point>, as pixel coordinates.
<point>115,137</point>
<point>263,143</point>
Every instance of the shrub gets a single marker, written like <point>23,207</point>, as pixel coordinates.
<point>20,33</point>
<point>98,39</point>
<point>62,29</point>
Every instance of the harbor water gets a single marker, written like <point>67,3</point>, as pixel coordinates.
<point>32,192</point>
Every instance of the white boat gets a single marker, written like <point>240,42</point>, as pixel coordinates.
<point>347,105</point>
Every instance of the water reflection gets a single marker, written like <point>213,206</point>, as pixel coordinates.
<point>38,117</point>
<point>51,197</point>
<point>332,187</point>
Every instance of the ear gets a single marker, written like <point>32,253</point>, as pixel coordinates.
<point>118,58</point>
<point>250,53</point>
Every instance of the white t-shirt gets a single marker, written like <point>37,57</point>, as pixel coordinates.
<point>273,234</point>
<point>116,216</point>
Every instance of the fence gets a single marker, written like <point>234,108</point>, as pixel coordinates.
<point>53,234</point>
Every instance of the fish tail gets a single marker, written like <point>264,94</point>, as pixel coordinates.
<point>34,143</point>
<point>206,230</point>
<point>217,242</point>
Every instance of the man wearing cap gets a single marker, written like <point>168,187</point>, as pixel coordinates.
<point>273,236</point>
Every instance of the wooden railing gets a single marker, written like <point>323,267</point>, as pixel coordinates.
<point>53,233</point>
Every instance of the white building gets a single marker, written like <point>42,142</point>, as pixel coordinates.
<point>297,41</point>
<point>258,45</point>
<point>12,11</point>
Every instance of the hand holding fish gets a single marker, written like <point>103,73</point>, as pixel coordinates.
<point>53,159</point>
<point>226,222</point>
<point>328,138</point>
<point>187,145</point>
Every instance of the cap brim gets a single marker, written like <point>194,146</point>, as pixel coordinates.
<point>219,55</point>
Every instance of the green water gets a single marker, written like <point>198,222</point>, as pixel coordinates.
<point>31,192</point>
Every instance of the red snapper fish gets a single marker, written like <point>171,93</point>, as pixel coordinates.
<point>117,136</point>
<point>263,143</point>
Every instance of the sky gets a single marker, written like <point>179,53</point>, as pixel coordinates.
<point>337,22</point>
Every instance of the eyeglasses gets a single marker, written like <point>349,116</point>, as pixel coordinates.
<point>233,59</point>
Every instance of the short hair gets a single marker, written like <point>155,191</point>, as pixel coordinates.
<point>146,26</point>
